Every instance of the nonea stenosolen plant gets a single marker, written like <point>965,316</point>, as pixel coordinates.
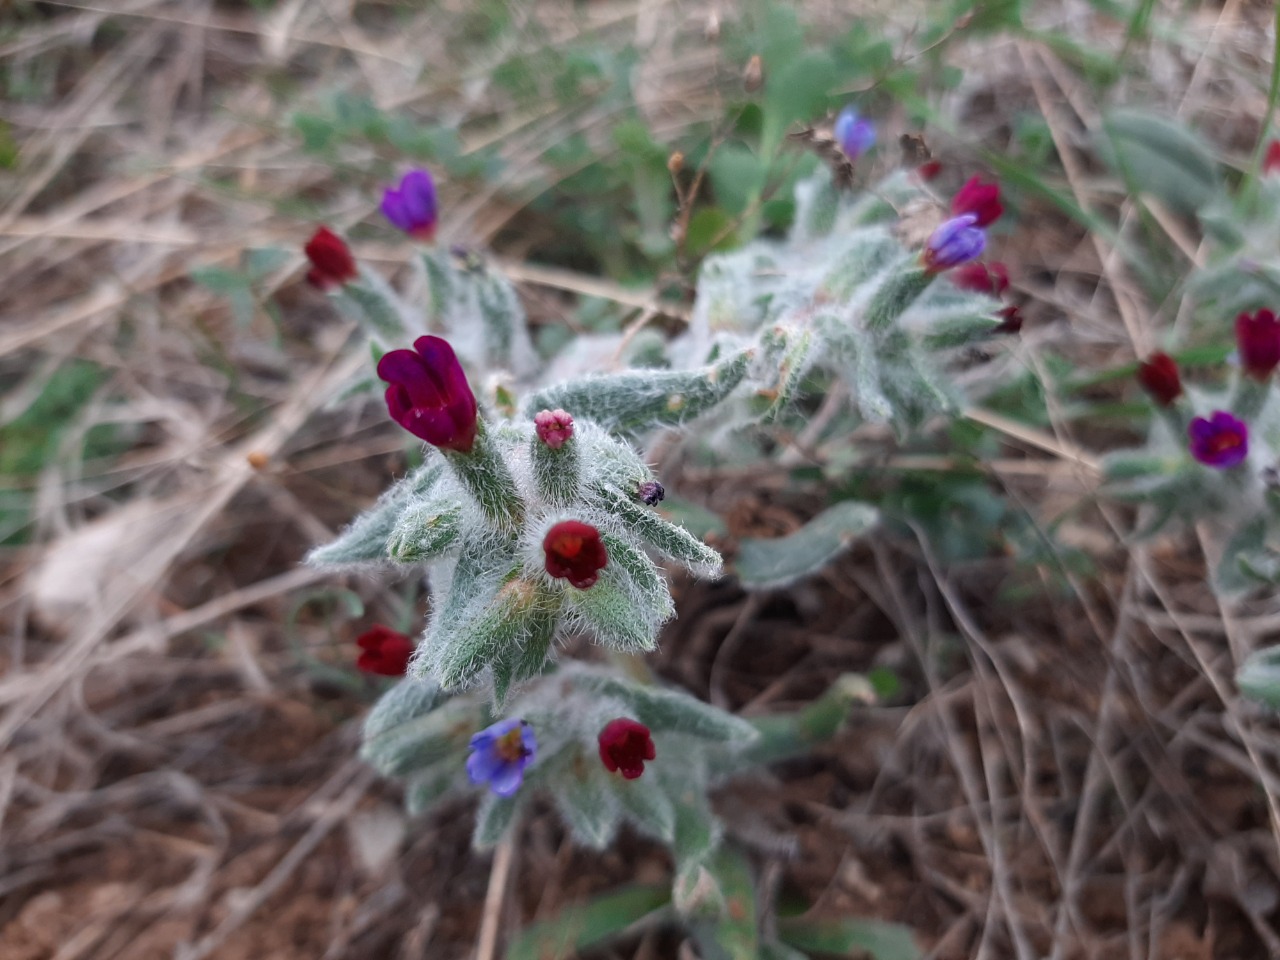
<point>534,520</point>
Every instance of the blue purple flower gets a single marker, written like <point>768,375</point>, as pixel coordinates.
<point>854,134</point>
<point>412,206</point>
<point>956,241</point>
<point>499,754</point>
<point>1219,440</point>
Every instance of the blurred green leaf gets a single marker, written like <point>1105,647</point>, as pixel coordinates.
<point>764,563</point>
<point>850,938</point>
<point>590,924</point>
<point>1160,157</point>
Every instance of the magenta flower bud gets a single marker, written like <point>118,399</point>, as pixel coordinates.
<point>957,241</point>
<point>499,754</point>
<point>1220,440</point>
<point>412,206</point>
<point>429,395</point>
<point>651,493</point>
<point>554,427</point>
<point>980,199</point>
<point>1258,340</point>
<point>855,135</point>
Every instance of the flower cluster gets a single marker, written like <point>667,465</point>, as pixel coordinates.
<point>501,752</point>
<point>1220,440</point>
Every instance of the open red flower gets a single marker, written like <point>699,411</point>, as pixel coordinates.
<point>1159,377</point>
<point>624,747</point>
<point>332,265</point>
<point>575,553</point>
<point>429,395</point>
<point>989,278</point>
<point>980,199</point>
<point>1258,340</point>
<point>384,651</point>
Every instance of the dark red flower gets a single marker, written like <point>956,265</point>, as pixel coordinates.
<point>1159,377</point>
<point>1258,340</point>
<point>624,747</point>
<point>989,278</point>
<point>1271,162</point>
<point>980,199</point>
<point>554,427</point>
<point>1010,321</point>
<point>332,265</point>
<point>429,395</point>
<point>384,651</point>
<point>575,553</point>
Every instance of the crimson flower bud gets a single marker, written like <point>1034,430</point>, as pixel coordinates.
<point>1271,162</point>
<point>1258,340</point>
<point>429,395</point>
<point>554,427</point>
<point>624,747</point>
<point>1159,377</point>
<point>989,278</point>
<point>575,552</point>
<point>980,199</point>
<point>332,265</point>
<point>384,651</point>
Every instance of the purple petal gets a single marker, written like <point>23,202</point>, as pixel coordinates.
<point>483,765</point>
<point>406,368</point>
<point>529,740</point>
<point>395,209</point>
<point>419,192</point>
<point>508,779</point>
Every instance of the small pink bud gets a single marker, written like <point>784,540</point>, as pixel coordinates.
<point>554,427</point>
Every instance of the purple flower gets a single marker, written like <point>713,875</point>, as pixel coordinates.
<point>429,395</point>
<point>651,492</point>
<point>957,241</point>
<point>499,754</point>
<point>854,134</point>
<point>1219,441</point>
<point>412,207</point>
